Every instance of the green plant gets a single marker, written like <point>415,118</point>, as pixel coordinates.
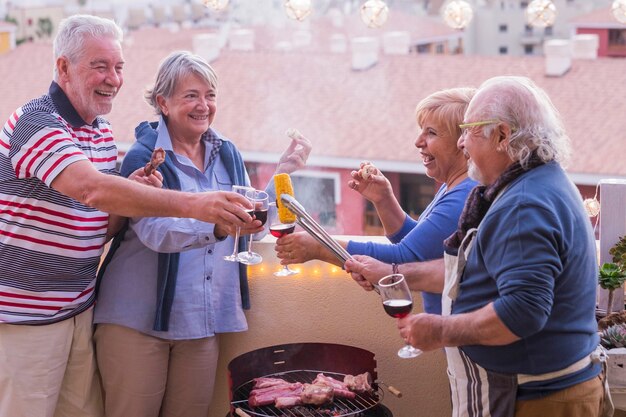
<point>611,277</point>
<point>614,336</point>
<point>618,252</point>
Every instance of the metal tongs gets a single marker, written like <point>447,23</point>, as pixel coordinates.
<point>313,228</point>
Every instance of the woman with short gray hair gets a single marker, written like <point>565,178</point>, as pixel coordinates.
<point>166,292</point>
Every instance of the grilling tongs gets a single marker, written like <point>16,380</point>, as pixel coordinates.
<point>313,228</point>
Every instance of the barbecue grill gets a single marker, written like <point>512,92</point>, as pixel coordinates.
<point>301,362</point>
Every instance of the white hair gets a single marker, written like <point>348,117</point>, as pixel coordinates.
<point>72,32</point>
<point>535,123</point>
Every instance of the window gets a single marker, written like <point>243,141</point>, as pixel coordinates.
<point>548,31</point>
<point>503,28</point>
<point>529,49</point>
<point>528,30</point>
<point>423,49</point>
<point>319,194</point>
<point>523,4</point>
<point>617,37</point>
<point>416,193</point>
<point>503,50</point>
<point>439,49</point>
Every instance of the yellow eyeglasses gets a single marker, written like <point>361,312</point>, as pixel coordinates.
<point>465,126</point>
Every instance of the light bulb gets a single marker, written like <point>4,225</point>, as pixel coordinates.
<point>619,10</point>
<point>374,13</point>
<point>298,9</point>
<point>541,13</point>
<point>592,206</point>
<point>216,4</point>
<point>457,14</point>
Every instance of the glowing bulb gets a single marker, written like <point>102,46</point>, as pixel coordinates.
<point>374,13</point>
<point>619,10</point>
<point>541,13</point>
<point>592,206</point>
<point>216,4</point>
<point>298,9</point>
<point>457,14</point>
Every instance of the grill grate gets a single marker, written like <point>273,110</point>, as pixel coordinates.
<point>340,407</point>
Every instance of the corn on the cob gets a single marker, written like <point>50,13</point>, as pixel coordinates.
<point>282,184</point>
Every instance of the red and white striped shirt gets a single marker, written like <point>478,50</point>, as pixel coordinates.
<point>50,244</point>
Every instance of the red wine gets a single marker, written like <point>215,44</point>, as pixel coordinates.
<point>260,215</point>
<point>280,230</point>
<point>398,308</point>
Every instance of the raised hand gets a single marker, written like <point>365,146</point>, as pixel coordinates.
<point>371,183</point>
<point>296,154</point>
<point>155,179</point>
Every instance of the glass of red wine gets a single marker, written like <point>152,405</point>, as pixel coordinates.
<point>279,229</point>
<point>240,189</point>
<point>259,200</point>
<point>398,302</point>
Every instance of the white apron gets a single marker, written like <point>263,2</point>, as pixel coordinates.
<point>475,391</point>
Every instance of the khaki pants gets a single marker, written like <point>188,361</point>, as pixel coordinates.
<point>581,400</point>
<point>145,376</point>
<point>49,370</point>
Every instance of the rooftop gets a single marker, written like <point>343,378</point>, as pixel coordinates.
<point>349,115</point>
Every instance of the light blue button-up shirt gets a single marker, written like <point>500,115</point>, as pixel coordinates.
<point>207,299</point>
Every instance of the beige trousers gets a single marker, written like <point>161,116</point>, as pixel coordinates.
<point>49,370</point>
<point>580,400</point>
<point>145,376</point>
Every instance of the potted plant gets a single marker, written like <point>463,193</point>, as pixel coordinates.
<point>611,276</point>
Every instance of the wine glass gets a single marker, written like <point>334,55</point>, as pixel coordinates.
<point>279,229</point>
<point>240,189</point>
<point>398,303</point>
<point>259,200</point>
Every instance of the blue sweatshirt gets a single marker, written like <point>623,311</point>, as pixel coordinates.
<point>535,258</point>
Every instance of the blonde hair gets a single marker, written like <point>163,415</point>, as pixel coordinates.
<point>446,108</point>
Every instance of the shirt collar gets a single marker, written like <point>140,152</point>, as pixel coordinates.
<point>65,107</point>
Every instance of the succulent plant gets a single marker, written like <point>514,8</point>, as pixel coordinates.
<point>618,252</point>
<point>614,336</point>
<point>611,277</point>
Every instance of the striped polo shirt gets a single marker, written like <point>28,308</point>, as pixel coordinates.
<point>50,244</point>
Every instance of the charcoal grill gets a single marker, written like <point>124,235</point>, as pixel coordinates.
<point>301,362</point>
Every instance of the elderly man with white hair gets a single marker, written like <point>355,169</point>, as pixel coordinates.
<point>519,290</point>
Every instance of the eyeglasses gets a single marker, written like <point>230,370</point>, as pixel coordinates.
<point>466,126</point>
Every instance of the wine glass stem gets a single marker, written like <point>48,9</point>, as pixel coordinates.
<point>250,244</point>
<point>236,242</point>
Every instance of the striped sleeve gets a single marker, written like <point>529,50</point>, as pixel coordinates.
<point>41,146</point>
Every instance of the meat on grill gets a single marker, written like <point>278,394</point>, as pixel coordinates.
<point>340,389</point>
<point>322,390</point>
<point>268,395</point>
<point>358,383</point>
<point>316,394</point>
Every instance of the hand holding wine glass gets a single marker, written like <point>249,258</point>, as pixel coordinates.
<point>259,200</point>
<point>279,229</point>
<point>240,189</point>
<point>397,302</point>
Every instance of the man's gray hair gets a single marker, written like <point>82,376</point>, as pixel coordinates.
<point>535,123</point>
<point>176,66</point>
<point>72,32</point>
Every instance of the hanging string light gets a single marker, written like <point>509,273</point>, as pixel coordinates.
<point>592,205</point>
<point>457,14</point>
<point>374,13</point>
<point>298,9</point>
<point>216,4</point>
<point>541,13</point>
<point>619,10</point>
